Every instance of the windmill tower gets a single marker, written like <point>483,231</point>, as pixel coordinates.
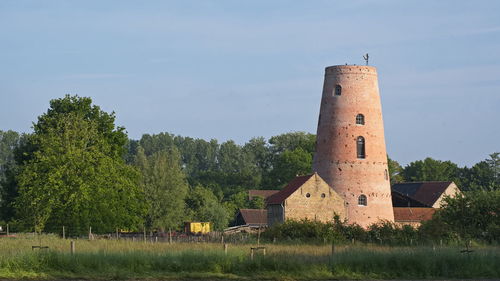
<point>350,149</point>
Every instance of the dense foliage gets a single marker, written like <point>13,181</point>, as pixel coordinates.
<point>71,172</point>
<point>165,188</point>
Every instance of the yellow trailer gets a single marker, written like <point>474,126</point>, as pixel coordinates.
<point>197,227</point>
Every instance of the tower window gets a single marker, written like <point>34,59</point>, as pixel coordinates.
<point>362,200</point>
<point>360,119</point>
<point>386,175</point>
<point>338,90</point>
<point>360,147</point>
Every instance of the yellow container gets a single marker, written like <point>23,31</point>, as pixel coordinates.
<point>197,227</point>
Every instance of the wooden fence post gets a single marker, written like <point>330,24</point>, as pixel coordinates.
<point>144,235</point>
<point>225,249</point>
<point>72,247</point>
<point>251,253</point>
<point>169,236</point>
<point>90,232</point>
<point>64,233</point>
<point>7,229</point>
<point>258,237</point>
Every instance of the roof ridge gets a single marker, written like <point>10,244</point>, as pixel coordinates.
<point>410,182</point>
<point>293,184</point>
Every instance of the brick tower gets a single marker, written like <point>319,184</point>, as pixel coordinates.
<point>350,149</point>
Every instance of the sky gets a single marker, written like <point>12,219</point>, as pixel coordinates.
<point>243,69</point>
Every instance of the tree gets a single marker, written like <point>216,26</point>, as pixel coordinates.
<point>204,206</point>
<point>431,170</point>
<point>395,171</point>
<point>9,141</point>
<point>478,177</point>
<point>260,153</point>
<point>292,141</point>
<point>165,187</point>
<point>288,165</point>
<point>472,215</point>
<point>71,172</point>
<point>494,164</point>
<point>290,154</point>
<point>257,202</point>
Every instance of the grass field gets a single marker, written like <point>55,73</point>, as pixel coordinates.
<point>112,259</point>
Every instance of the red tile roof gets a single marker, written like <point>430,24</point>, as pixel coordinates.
<point>413,214</point>
<point>283,194</point>
<point>424,192</point>
<point>261,192</point>
<point>254,216</point>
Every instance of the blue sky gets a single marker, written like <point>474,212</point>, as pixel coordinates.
<point>241,69</point>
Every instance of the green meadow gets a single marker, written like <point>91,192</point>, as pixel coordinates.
<point>125,259</point>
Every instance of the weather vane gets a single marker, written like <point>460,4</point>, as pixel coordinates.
<point>366,57</point>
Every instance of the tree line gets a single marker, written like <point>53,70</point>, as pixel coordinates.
<point>78,169</point>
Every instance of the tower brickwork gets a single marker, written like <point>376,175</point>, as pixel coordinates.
<point>350,150</point>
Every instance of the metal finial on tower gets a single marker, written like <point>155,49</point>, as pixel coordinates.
<point>366,57</point>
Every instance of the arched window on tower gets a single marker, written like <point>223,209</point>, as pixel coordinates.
<point>360,119</point>
<point>360,147</point>
<point>362,200</point>
<point>338,90</point>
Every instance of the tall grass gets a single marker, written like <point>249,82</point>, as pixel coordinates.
<point>111,259</point>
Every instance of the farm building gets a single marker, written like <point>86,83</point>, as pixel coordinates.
<point>412,216</point>
<point>305,197</point>
<point>251,217</point>
<point>264,193</point>
<point>414,202</point>
<point>422,194</point>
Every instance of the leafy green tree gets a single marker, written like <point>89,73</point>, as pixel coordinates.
<point>472,215</point>
<point>292,141</point>
<point>71,172</point>
<point>290,154</point>
<point>288,165</point>
<point>204,206</point>
<point>395,171</point>
<point>165,187</point>
<point>431,170</point>
<point>478,177</point>
<point>9,141</point>
<point>237,201</point>
<point>494,164</point>
<point>257,202</point>
<point>260,153</point>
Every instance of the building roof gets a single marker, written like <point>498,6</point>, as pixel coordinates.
<point>254,216</point>
<point>424,192</point>
<point>400,200</point>
<point>283,194</point>
<point>261,192</point>
<point>413,214</point>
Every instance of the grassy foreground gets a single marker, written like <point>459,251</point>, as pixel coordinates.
<point>110,259</point>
